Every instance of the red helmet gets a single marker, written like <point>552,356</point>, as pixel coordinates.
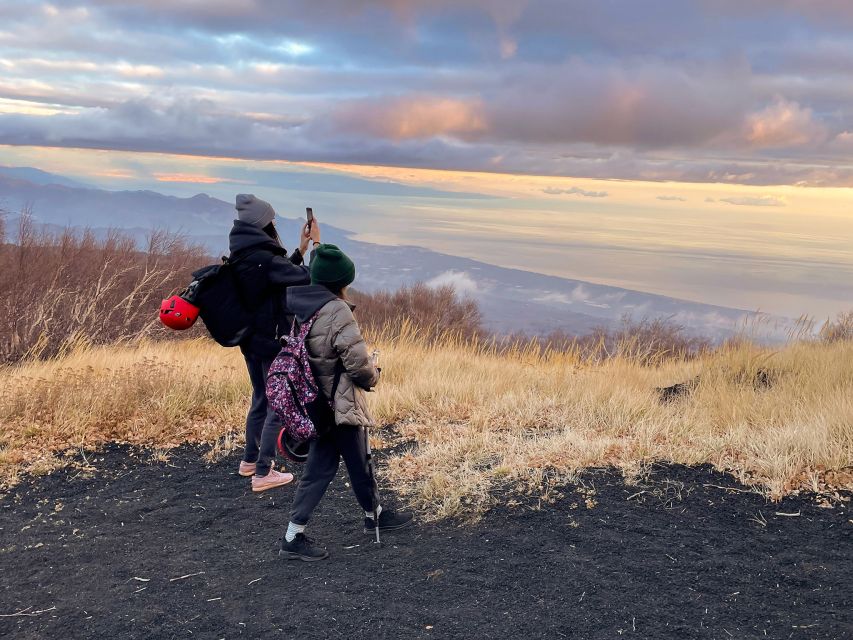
<point>177,313</point>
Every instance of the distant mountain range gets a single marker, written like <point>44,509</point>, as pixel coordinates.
<point>511,300</point>
<point>37,176</point>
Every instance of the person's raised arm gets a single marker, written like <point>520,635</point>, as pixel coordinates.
<point>309,233</point>
<point>286,272</point>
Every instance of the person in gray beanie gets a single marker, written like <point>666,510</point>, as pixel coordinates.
<point>254,211</point>
<point>264,272</point>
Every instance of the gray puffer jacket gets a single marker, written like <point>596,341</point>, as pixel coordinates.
<point>335,337</point>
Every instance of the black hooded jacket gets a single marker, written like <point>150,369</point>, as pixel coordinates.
<point>264,273</point>
<point>304,302</point>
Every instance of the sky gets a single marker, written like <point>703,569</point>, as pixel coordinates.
<point>696,148</point>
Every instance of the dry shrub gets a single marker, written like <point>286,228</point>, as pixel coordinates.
<point>433,312</point>
<point>63,290</point>
<point>60,290</point>
<point>838,330</point>
<point>646,342</point>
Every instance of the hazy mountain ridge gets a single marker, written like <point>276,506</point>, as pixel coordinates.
<point>66,205</point>
<point>512,300</point>
<point>37,176</point>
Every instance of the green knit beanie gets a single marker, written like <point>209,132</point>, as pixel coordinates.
<point>331,267</point>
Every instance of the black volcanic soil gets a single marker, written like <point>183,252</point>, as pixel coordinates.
<point>185,550</point>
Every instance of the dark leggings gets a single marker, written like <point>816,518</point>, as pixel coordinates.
<point>324,456</point>
<point>262,425</point>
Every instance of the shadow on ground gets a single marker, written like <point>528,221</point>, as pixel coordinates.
<point>185,550</point>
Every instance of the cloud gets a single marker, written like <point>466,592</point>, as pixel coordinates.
<point>672,198</point>
<point>411,117</point>
<point>843,142</point>
<point>163,123</point>
<point>824,12</point>
<point>580,294</point>
<point>640,104</point>
<point>710,319</point>
<point>760,201</point>
<point>461,282</point>
<point>575,191</point>
<point>191,178</point>
<point>558,298</point>
<point>784,124</point>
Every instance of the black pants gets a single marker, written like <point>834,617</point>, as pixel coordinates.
<point>324,456</point>
<point>262,425</point>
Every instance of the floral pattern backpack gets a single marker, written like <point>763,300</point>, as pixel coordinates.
<point>293,393</point>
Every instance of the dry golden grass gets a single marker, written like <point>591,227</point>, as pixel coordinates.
<point>154,394</point>
<point>522,418</point>
<point>481,418</point>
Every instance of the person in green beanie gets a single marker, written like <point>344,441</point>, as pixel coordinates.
<point>345,372</point>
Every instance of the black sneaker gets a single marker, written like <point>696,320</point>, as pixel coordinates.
<point>302,548</point>
<point>389,521</point>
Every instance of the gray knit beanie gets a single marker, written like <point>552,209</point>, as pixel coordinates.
<point>254,210</point>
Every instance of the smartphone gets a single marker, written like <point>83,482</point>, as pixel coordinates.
<point>309,214</point>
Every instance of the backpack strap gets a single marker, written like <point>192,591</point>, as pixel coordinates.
<point>339,365</point>
<point>304,329</point>
<point>229,262</point>
<point>239,256</point>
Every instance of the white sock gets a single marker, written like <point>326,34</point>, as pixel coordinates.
<point>369,514</point>
<point>292,530</point>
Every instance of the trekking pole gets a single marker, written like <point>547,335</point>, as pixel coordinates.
<point>372,473</point>
<point>371,469</point>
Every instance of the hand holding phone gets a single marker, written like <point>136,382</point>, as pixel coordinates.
<point>306,232</point>
<point>312,228</point>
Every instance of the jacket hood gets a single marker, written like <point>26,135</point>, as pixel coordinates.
<point>244,236</point>
<point>305,301</point>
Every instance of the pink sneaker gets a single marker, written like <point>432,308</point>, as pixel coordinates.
<point>270,481</point>
<point>247,468</point>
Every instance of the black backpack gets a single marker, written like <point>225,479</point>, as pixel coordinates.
<point>215,290</point>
